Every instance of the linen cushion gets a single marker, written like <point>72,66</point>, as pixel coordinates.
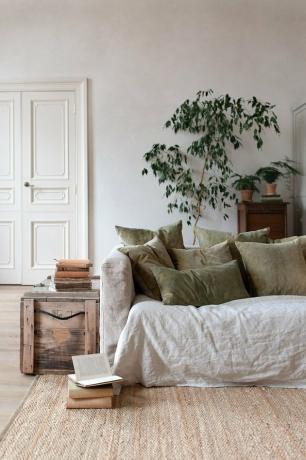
<point>214,284</point>
<point>170,235</point>
<point>143,258</point>
<point>184,259</point>
<point>275,269</point>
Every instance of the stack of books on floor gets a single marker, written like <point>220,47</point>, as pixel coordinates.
<point>97,397</point>
<point>271,198</point>
<point>72,275</point>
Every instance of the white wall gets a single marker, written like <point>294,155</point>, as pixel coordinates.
<point>144,57</point>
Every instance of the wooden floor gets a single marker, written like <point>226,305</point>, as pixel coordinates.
<point>13,384</point>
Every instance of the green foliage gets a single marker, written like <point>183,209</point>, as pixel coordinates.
<point>216,123</point>
<point>247,182</point>
<point>277,170</point>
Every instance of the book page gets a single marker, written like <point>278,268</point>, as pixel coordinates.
<point>91,366</point>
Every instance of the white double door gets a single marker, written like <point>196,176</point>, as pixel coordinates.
<point>38,183</point>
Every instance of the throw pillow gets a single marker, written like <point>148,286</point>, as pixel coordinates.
<point>184,259</point>
<point>133,236</point>
<point>170,235</point>
<point>202,286</point>
<point>143,258</point>
<point>275,269</point>
<point>209,238</point>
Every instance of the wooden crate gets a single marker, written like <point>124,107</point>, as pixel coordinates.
<point>55,326</point>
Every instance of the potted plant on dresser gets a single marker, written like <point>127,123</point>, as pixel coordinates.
<point>276,170</point>
<point>246,184</point>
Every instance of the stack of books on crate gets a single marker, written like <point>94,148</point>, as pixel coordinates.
<point>271,198</point>
<point>72,275</point>
<point>98,397</point>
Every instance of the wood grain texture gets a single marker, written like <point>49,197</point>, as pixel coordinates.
<point>13,385</point>
<point>28,336</point>
<point>254,216</point>
<point>91,319</point>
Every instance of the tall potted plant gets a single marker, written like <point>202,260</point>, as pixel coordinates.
<point>276,170</point>
<point>216,124</point>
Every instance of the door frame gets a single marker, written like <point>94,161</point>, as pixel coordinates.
<point>79,86</point>
<point>297,205</point>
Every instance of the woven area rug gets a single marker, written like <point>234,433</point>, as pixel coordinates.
<point>160,423</point>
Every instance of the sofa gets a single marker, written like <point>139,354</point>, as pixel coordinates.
<point>252,341</point>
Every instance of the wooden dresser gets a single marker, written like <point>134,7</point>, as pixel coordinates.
<point>253,216</point>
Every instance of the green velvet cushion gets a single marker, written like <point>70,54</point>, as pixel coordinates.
<point>214,284</point>
<point>300,239</point>
<point>143,257</point>
<point>170,235</point>
<point>209,238</point>
<point>133,236</point>
<point>275,269</point>
<point>184,259</point>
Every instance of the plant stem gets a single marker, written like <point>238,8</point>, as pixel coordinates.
<point>199,205</point>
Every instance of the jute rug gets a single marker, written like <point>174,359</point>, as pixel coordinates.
<point>160,423</point>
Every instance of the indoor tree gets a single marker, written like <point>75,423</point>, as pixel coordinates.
<point>216,124</point>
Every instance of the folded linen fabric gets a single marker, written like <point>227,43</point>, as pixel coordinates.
<point>275,269</point>
<point>143,258</point>
<point>170,235</point>
<point>185,259</point>
<point>211,285</point>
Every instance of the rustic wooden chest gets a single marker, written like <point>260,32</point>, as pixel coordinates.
<point>54,327</point>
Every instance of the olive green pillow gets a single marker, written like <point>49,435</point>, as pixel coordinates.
<point>213,284</point>
<point>209,238</point>
<point>301,240</point>
<point>170,235</point>
<point>275,269</point>
<point>184,259</point>
<point>133,236</point>
<point>143,257</point>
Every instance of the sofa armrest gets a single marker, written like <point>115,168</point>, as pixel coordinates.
<point>117,294</point>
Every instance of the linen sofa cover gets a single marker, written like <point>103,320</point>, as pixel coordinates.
<point>254,341</point>
<point>248,341</point>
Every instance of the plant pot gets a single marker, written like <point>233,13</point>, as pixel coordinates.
<point>246,195</point>
<point>271,188</point>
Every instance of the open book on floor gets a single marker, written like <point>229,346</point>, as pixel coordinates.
<point>92,370</point>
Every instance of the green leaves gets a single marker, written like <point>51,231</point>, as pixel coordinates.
<point>217,123</point>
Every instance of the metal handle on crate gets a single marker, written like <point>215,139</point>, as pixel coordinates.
<point>64,318</point>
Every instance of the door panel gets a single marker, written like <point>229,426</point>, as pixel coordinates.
<point>49,173</point>
<point>10,203</point>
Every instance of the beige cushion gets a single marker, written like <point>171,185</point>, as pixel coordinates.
<point>213,284</point>
<point>184,259</point>
<point>275,269</point>
<point>170,235</point>
<point>143,257</point>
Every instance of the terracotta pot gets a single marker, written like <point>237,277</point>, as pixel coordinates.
<point>246,195</point>
<point>271,189</point>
